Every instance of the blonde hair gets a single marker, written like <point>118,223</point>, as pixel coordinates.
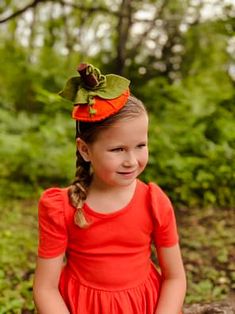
<point>88,132</point>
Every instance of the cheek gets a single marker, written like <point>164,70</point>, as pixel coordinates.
<point>109,162</point>
<point>144,157</point>
<point>113,161</point>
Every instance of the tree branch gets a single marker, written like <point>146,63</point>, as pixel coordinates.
<point>21,11</point>
<point>75,6</point>
<point>88,9</point>
<point>123,30</point>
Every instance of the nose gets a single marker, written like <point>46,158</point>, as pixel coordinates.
<point>130,160</point>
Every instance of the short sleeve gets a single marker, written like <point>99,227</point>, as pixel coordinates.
<point>52,227</point>
<point>165,229</point>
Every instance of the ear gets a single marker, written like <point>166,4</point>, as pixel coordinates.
<point>83,149</point>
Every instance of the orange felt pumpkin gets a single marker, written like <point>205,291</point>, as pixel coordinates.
<point>103,108</point>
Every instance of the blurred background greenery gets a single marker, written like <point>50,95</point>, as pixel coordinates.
<point>180,58</point>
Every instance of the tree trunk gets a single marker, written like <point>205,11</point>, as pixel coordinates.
<point>123,28</point>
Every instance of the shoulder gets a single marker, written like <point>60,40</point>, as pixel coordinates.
<point>160,204</point>
<point>52,196</point>
<point>52,223</point>
<point>142,186</point>
<point>52,201</point>
<point>165,234</point>
<point>157,195</point>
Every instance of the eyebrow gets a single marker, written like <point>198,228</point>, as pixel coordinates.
<point>144,142</point>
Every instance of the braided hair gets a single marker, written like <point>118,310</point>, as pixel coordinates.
<point>88,132</point>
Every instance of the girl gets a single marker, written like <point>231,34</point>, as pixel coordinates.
<point>105,221</point>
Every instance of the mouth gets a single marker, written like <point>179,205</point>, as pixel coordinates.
<point>126,173</point>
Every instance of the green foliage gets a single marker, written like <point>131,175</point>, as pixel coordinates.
<point>18,233</point>
<point>192,139</point>
<point>35,152</point>
<point>192,134</point>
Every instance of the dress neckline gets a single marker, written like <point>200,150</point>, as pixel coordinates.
<point>118,212</point>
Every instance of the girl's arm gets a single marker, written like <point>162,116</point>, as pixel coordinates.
<point>47,297</point>
<point>173,281</point>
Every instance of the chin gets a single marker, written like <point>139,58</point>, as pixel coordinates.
<point>127,182</point>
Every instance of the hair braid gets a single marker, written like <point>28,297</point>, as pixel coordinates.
<point>78,190</point>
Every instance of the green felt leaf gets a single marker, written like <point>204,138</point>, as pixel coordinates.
<point>71,88</point>
<point>84,96</point>
<point>76,92</point>
<point>115,86</point>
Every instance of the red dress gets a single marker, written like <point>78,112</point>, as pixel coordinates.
<point>108,268</point>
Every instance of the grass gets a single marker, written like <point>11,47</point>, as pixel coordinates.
<point>207,241</point>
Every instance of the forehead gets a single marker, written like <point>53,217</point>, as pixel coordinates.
<point>135,128</point>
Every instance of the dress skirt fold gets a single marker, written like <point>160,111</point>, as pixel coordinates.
<point>83,299</point>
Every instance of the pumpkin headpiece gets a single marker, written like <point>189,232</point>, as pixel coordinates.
<point>95,96</point>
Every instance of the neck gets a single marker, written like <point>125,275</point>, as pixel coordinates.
<point>98,186</point>
<point>107,199</point>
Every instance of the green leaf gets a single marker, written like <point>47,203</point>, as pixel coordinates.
<point>115,85</point>
<point>71,88</point>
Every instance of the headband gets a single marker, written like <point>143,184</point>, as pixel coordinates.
<point>95,96</point>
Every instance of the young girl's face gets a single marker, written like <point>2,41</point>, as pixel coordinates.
<point>120,152</point>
